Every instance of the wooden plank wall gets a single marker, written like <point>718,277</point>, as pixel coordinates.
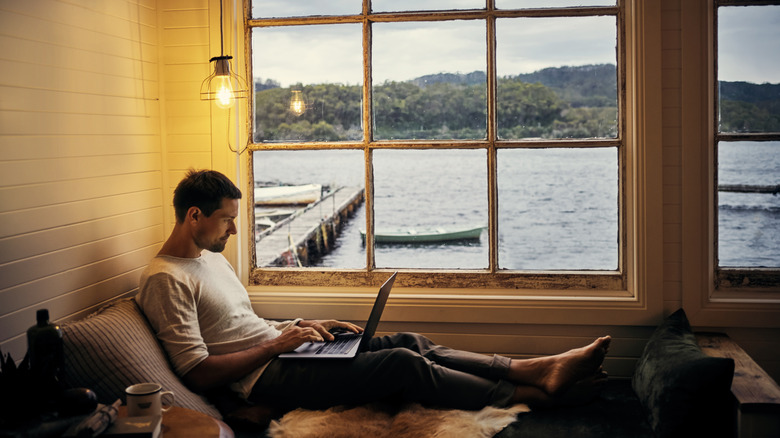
<point>672,142</point>
<point>184,36</point>
<point>80,170</point>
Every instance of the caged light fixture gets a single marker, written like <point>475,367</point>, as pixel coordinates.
<point>222,86</point>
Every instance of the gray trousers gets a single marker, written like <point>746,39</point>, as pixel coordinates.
<point>404,367</point>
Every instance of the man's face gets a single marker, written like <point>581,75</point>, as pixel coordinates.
<point>212,232</point>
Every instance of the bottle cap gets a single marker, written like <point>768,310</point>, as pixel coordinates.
<point>42,315</point>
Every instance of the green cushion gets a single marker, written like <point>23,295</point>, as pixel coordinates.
<point>684,391</point>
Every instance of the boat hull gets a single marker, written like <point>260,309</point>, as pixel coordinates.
<point>427,235</point>
<point>288,195</point>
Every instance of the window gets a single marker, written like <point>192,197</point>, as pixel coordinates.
<point>747,142</point>
<point>467,143</point>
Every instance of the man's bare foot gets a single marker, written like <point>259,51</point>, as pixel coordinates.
<point>533,397</point>
<point>579,393</point>
<point>555,374</point>
<point>583,390</point>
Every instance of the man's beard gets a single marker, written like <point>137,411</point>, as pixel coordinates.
<point>215,246</point>
<point>218,246</point>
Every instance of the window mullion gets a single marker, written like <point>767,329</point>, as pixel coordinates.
<point>368,136</point>
<point>492,161</point>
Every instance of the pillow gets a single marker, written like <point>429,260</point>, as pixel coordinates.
<point>684,391</point>
<point>114,348</point>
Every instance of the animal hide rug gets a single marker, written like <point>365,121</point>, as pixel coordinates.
<point>377,421</point>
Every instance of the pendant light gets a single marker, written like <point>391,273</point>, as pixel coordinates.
<point>297,103</point>
<point>223,86</point>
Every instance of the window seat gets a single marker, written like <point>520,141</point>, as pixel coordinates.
<point>676,390</point>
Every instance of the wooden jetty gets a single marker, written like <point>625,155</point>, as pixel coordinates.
<point>310,233</point>
<point>745,188</point>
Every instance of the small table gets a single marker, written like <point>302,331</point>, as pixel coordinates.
<point>186,423</point>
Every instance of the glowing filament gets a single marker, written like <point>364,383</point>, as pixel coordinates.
<point>297,105</point>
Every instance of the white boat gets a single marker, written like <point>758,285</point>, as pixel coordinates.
<point>424,235</point>
<point>273,214</point>
<point>288,195</point>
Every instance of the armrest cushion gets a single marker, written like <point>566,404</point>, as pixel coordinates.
<point>114,348</point>
<point>684,391</point>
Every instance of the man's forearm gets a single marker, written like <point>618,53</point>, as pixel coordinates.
<point>223,369</point>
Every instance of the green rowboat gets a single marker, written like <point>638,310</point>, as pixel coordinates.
<point>424,235</point>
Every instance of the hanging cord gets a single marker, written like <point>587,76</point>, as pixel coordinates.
<point>222,53</point>
<point>221,32</point>
<point>230,111</point>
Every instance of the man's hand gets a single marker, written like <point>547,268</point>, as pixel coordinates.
<point>222,369</point>
<point>324,326</point>
<point>294,337</point>
<point>218,370</point>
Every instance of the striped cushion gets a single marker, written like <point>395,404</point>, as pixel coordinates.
<point>114,348</point>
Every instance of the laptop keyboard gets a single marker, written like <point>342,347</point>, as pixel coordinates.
<point>340,345</point>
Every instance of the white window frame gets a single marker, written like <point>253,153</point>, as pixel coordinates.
<point>706,303</point>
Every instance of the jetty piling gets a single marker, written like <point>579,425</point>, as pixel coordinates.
<point>310,233</point>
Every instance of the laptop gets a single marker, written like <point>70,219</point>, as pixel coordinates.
<point>346,345</point>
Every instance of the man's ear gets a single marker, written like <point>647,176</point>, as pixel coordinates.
<point>193,214</point>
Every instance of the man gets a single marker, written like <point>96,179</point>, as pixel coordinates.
<point>203,318</point>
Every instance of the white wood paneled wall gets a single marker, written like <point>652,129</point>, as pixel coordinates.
<point>81,204</point>
<point>100,117</point>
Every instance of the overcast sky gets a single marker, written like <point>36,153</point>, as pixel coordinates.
<point>749,44</point>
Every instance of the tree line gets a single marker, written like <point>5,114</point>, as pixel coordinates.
<point>564,102</point>
<point>748,107</point>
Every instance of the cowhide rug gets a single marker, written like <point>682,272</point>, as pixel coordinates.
<point>377,421</point>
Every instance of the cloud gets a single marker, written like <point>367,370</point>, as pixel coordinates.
<point>404,51</point>
<point>749,44</point>
<point>309,54</point>
<point>525,45</point>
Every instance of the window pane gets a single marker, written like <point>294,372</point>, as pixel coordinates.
<point>522,4</point>
<point>298,8</point>
<point>749,68</point>
<point>290,216</point>
<point>556,77</point>
<point>748,223</point>
<point>425,194</point>
<point>323,65</point>
<point>424,5</point>
<point>429,80</point>
<point>558,209</point>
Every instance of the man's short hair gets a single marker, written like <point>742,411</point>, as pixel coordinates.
<point>204,189</point>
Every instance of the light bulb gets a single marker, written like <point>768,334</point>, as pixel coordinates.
<point>297,104</point>
<point>224,91</point>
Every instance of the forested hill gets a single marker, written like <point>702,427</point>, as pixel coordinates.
<point>473,78</point>
<point>586,85</point>
<point>745,106</point>
<point>556,102</point>
<point>749,92</point>
<point>748,107</point>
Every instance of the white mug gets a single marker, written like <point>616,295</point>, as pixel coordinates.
<point>146,399</point>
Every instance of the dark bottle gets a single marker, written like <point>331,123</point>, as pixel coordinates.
<point>44,346</point>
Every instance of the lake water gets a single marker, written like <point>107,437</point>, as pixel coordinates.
<point>557,207</point>
<point>749,223</point>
